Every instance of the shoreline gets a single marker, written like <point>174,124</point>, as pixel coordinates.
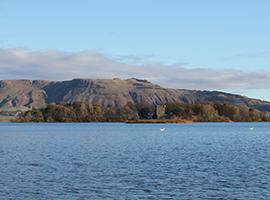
<point>158,121</point>
<point>13,119</point>
<point>7,118</point>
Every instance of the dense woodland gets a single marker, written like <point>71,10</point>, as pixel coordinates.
<point>79,112</point>
<point>82,112</point>
<point>216,112</point>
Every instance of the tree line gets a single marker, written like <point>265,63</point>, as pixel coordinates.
<point>83,112</point>
<point>216,112</point>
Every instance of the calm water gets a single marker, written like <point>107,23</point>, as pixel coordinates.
<point>119,161</point>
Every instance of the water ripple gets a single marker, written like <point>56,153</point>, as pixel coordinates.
<point>118,161</point>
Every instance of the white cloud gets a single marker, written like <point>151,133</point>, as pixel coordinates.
<point>58,65</point>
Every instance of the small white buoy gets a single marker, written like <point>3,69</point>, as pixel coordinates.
<point>251,128</point>
<point>162,129</point>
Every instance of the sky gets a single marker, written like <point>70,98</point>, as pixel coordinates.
<point>194,44</point>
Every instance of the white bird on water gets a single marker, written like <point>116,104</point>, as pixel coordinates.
<point>252,128</point>
<point>162,129</point>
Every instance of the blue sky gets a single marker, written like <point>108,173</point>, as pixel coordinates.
<point>231,35</point>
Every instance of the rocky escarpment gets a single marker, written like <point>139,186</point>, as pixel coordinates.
<point>25,94</point>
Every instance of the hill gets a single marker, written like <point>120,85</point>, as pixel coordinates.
<point>26,94</point>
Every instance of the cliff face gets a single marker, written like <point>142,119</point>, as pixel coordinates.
<point>24,94</point>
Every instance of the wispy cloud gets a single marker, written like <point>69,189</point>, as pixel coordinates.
<point>249,55</point>
<point>58,65</point>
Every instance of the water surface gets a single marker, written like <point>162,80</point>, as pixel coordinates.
<point>134,161</point>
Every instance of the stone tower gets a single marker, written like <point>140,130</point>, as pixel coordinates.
<point>160,111</point>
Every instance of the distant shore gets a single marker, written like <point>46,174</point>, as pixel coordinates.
<point>7,118</point>
<point>138,114</point>
<point>158,121</point>
<point>141,121</point>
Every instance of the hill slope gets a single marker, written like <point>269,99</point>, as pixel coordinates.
<point>24,94</point>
